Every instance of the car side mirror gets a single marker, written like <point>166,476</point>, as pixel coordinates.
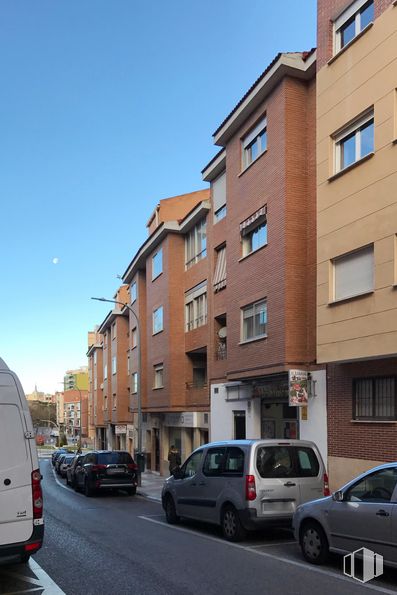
<point>338,496</point>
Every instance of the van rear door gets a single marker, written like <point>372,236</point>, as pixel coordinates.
<point>16,507</point>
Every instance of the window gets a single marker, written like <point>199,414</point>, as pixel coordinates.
<point>158,376</point>
<point>219,280</point>
<point>218,188</point>
<point>158,320</point>
<point>105,372</point>
<point>376,487</point>
<point>255,143</point>
<point>254,318</point>
<point>157,263</point>
<point>352,21</point>
<point>95,383</point>
<point>196,244</point>
<point>234,463</point>
<point>375,398</point>
<point>253,231</point>
<point>192,465</point>
<point>113,330</point>
<point>114,365</point>
<point>213,461</point>
<point>95,358</point>
<point>353,274</point>
<point>287,461</point>
<point>133,292</point>
<point>134,338</point>
<point>196,306</point>
<point>354,142</point>
<point>134,382</point>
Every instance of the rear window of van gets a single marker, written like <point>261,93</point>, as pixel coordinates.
<point>287,461</point>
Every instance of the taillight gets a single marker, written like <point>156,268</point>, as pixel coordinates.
<point>326,485</point>
<point>32,547</point>
<point>132,466</point>
<point>37,494</point>
<point>98,467</point>
<point>250,488</point>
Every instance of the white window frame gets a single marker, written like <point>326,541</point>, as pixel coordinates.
<point>113,330</point>
<point>246,239</point>
<point>195,249</point>
<point>354,10</point>
<point>255,135</point>
<point>157,261</point>
<point>95,358</point>
<point>354,128</point>
<point>193,301</point>
<point>95,383</point>
<point>158,374</point>
<point>349,256</point>
<point>105,372</point>
<point>254,307</point>
<point>155,314</point>
<point>133,292</point>
<point>220,213</point>
<point>114,365</point>
<point>134,382</point>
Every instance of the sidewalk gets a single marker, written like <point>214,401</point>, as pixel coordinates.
<point>151,487</point>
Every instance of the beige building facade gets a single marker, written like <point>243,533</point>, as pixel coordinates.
<point>357,230</point>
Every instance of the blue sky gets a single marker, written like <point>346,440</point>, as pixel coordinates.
<point>106,107</point>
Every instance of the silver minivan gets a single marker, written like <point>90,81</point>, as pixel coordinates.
<point>245,484</point>
<point>21,501</point>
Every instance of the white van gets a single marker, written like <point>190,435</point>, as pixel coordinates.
<point>21,500</point>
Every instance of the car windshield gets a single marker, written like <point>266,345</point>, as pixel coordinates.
<point>112,458</point>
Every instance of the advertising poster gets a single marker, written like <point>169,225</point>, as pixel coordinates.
<point>298,388</point>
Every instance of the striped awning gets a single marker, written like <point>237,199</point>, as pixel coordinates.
<point>247,223</point>
<point>220,270</point>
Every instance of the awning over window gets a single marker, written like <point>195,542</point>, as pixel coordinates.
<point>247,225</point>
<point>220,270</point>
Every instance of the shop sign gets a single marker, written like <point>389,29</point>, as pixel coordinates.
<point>178,420</point>
<point>120,430</point>
<point>271,391</point>
<point>297,388</point>
<point>130,431</point>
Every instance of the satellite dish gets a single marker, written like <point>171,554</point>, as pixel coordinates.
<point>222,333</point>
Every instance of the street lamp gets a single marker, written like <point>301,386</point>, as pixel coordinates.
<point>138,383</point>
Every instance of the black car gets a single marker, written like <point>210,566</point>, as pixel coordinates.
<point>106,469</point>
<point>57,453</point>
<point>70,471</point>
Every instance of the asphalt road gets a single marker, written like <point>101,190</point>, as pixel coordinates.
<point>118,544</point>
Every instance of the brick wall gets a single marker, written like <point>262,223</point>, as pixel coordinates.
<point>361,440</point>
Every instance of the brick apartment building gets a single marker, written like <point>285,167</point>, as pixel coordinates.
<point>167,281</point>
<point>97,427</point>
<point>357,230</point>
<point>263,236</point>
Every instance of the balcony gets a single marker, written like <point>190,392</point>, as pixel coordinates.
<point>221,351</point>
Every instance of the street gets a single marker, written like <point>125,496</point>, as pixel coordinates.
<point>121,544</point>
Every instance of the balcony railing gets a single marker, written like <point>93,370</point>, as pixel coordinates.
<point>221,351</point>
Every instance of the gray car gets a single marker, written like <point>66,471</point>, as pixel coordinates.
<point>245,484</point>
<point>363,513</point>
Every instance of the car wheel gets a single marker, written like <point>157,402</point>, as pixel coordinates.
<point>170,511</point>
<point>314,543</point>
<point>131,491</point>
<point>87,490</point>
<point>232,528</point>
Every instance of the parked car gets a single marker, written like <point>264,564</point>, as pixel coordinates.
<point>70,471</point>
<point>105,469</point>
<point>245,484</point>
<point>65,464</point>
<point>57,453</point>
<point>21,509</point>
<point>363,513</point>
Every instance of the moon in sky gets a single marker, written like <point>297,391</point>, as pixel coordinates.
<point>55,260</point>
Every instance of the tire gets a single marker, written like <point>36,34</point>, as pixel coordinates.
<point>314,543</point>
<point>87,490</point>
<point>170,511</point>
<point>131,491</point>
<point>232,528</point>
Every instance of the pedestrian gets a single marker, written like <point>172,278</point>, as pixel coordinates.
<point>174,459</point>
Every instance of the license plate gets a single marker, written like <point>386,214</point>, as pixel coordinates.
<point>116,471</point>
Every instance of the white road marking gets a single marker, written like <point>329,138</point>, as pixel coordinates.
<point>279,558</point>
<point>50,588</point>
